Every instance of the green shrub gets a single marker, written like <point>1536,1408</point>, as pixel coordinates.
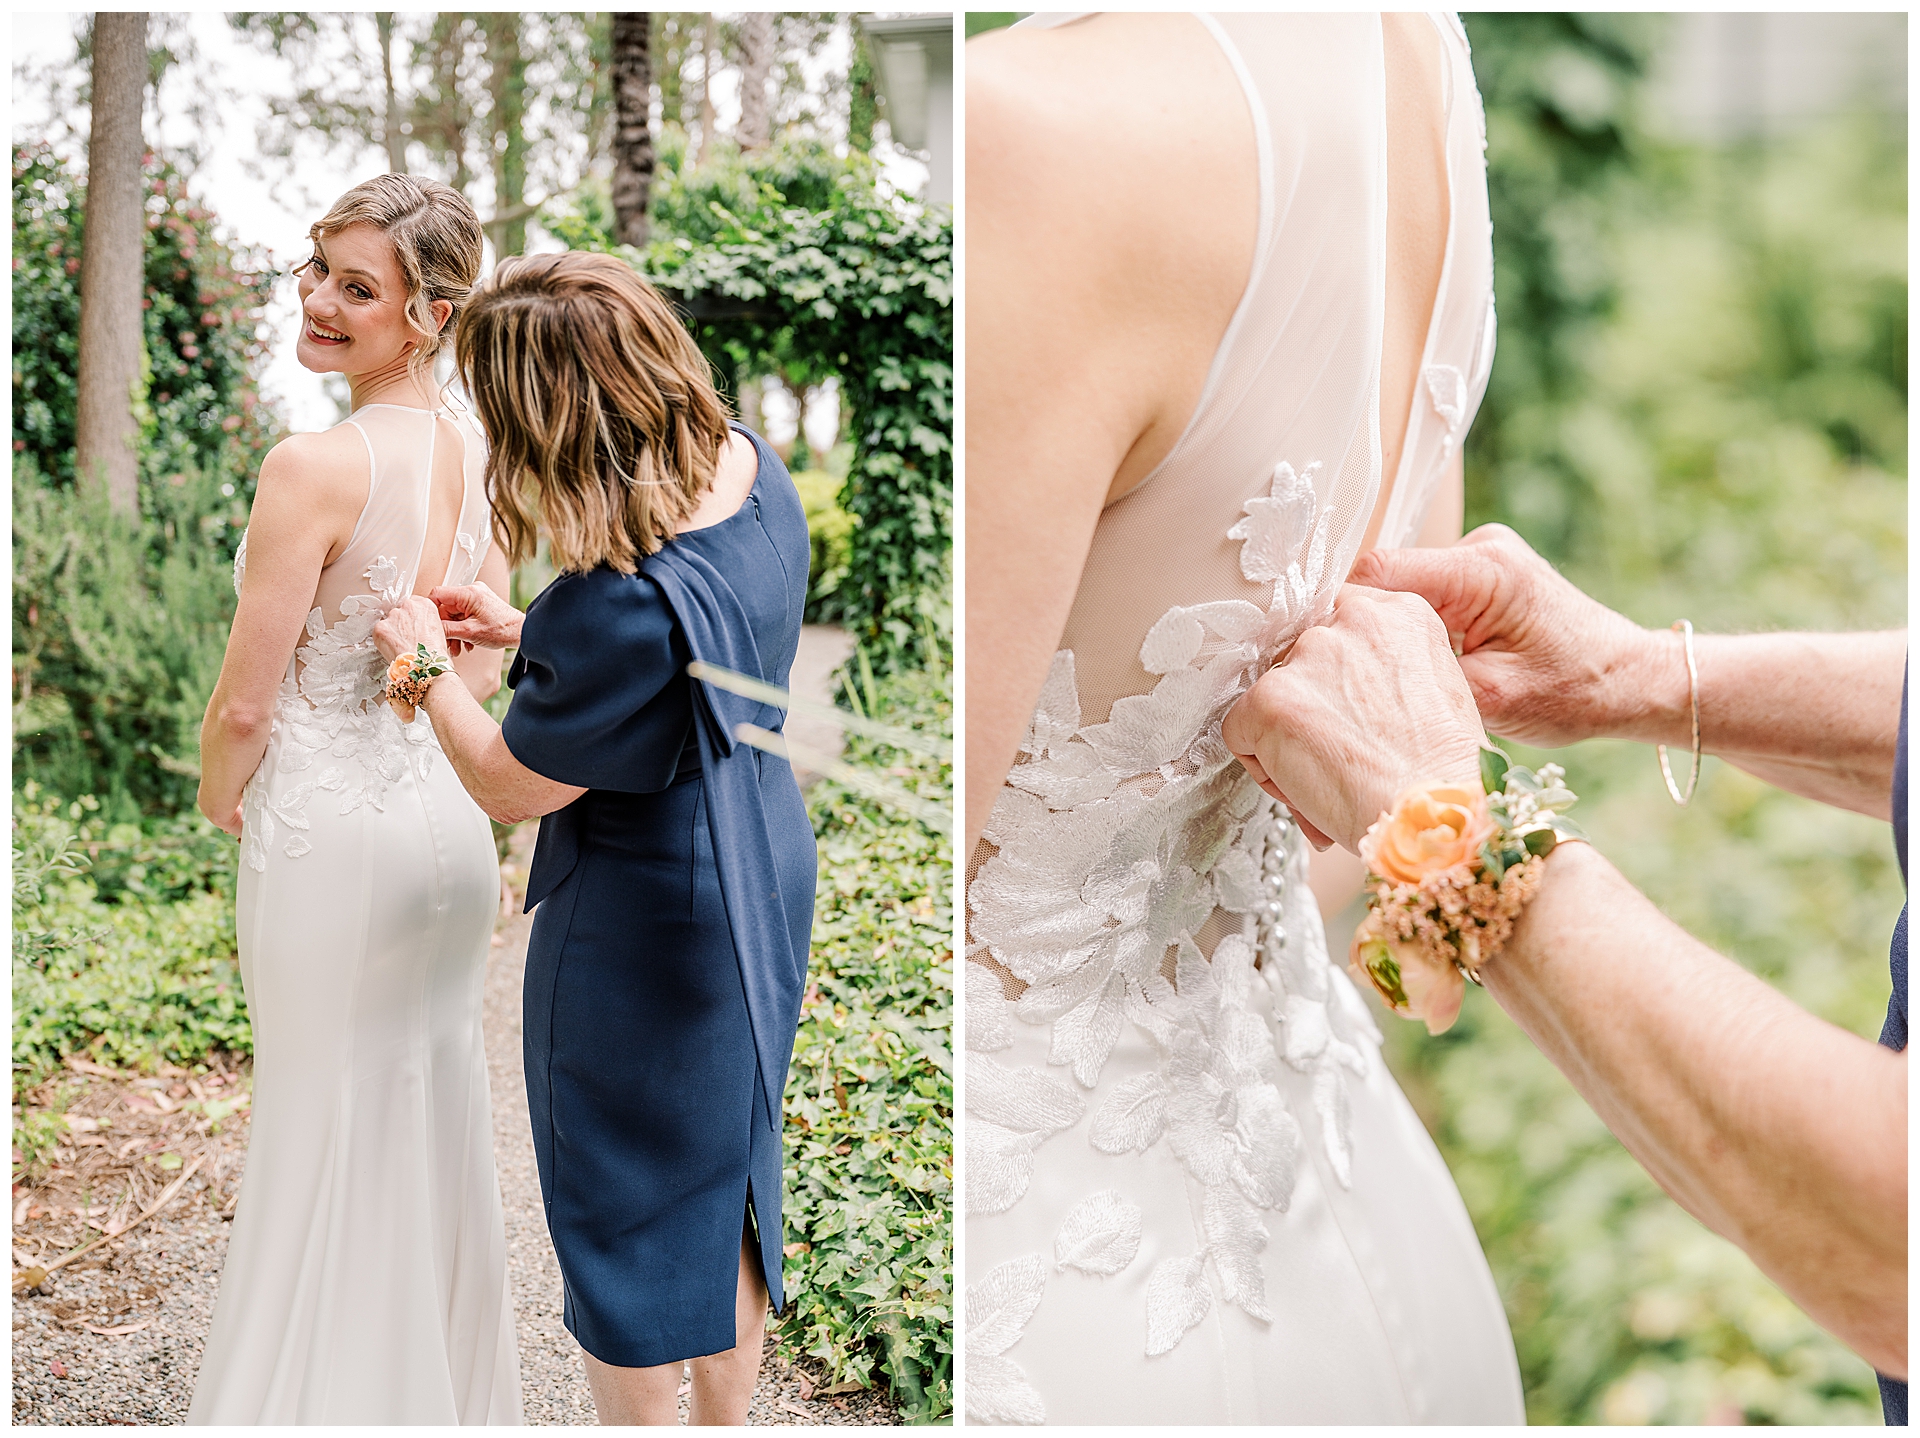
<point>118,631</point>
<point>204,301</point>
<point>119,624</point>
<point>136,983</point>
<point>797,261</point>
<point>869,1105</point>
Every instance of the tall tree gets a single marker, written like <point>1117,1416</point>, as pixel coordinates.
<point>756,61</point>
<point>507,86</point>
<point>444,113</point>
<point>708,56</point>
<point>863,95</point>
<point>111,264</point>
<point>676,37</point>
<point>392,113</point>
<point>504,102</point>
<point>632,131</point>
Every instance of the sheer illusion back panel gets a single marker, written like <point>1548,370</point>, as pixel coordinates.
<point>1458,358</point>
<point>386,555</point>
<point>1296,380</point>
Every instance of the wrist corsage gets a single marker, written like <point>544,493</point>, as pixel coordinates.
<point>410,675</point>
<point>1448,871</point>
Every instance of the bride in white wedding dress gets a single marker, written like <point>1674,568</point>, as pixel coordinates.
<point>1230,315</point>
<point>365,1280</point>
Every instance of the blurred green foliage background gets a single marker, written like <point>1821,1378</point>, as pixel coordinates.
<point>1699,410</point>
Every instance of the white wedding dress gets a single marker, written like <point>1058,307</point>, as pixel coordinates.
<point>1194,1192</point>
<point>366,1278</point>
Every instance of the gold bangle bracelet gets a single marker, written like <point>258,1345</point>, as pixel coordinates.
<point>1685,628</point>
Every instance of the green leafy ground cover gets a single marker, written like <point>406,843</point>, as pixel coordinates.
<point>870,1099</point>
<point>123,941</point>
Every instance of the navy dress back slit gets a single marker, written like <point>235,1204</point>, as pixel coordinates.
<point>669,945</point>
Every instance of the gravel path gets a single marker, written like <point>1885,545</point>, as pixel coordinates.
<point>115,1337</point>
<point>823,649</point>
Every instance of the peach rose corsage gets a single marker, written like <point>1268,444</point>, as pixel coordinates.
<point>410,675</point>
<point>1449,869</point>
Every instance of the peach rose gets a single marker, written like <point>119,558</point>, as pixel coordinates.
<point>1431,829</point>
<point>1409,980</point>
<point>401,667</point>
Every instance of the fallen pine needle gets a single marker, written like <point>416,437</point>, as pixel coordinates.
<point>35,1276</point>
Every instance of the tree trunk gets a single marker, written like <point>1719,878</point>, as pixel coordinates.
<point>756,60</point>
<point>801,455</point>
<point>863,105</point>
<point>747,398</point>
<point>507,79</point>
<point>391,135</point>
<point>632,133</point>
<point>706,91</point>
<point>112,265</point>
<point>441,117</point>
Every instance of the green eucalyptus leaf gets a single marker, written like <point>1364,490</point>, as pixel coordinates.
<point>1493,770</point>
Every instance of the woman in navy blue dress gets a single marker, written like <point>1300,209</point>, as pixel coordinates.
<point>674,870</point>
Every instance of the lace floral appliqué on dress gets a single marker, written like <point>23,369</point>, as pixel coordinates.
<point>330,706</point>
<point>1116,843</point>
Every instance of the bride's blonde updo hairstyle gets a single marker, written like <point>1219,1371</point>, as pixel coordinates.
<point>436,238</point>
<point>602,420</point>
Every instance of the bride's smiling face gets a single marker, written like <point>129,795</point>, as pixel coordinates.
<point>353,305</point>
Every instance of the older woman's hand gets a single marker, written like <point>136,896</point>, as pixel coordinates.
<point>475,616</point>
<point>412,622</point>
<point>1363,708</point>
<point>1547,665</point>
<point>407,626</point>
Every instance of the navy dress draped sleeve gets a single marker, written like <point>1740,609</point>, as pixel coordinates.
<point>1893,1033</point>
<point>673,903</point>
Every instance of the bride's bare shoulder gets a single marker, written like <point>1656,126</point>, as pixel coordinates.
<point>323,475</point>
<point>1042,106</point>
<point>1109,83</point>
<point>1117,139</point>
<point>320,459</point>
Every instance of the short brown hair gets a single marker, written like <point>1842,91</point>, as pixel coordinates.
<point>436,237</point>
<point>594,398</point>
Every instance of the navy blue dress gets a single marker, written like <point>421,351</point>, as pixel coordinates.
<point>669,948</point>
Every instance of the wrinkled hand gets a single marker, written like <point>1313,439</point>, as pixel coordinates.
<point>476,617</point>
<point>1546,664</point>
<point>1363,708</point>
<point>406,626</point>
